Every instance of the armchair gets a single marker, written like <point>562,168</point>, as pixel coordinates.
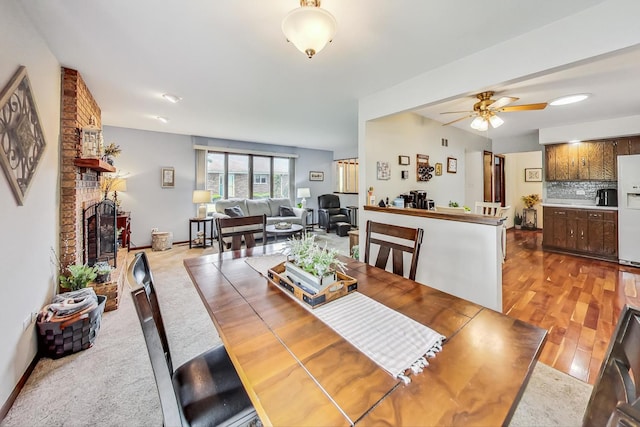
<point>330,212</point>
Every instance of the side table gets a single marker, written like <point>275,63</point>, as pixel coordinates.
<point>308,226</point>
<point>529,219</point>
<point>198,222</point>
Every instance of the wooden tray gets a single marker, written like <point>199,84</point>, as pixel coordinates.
<point>343,286</point>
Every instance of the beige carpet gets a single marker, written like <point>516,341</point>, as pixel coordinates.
<point>111,384</point>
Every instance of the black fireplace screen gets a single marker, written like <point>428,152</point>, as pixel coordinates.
<point>100,233</point>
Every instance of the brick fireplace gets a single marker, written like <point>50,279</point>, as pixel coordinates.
<point>80,186</point>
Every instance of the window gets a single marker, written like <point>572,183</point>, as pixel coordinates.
<point>232,175</point>
<point>346,171</point>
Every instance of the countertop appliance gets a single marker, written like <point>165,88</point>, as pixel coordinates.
<point>629,210</point>
<point>607,197</point>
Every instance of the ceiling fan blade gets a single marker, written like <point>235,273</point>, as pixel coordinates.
<point>525,107</point>
<point>457,120</point>
<point>501,102</point>
<point>457,112</point>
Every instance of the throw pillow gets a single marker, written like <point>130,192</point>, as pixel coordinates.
<point>234,211</point>
<point>286,211</point>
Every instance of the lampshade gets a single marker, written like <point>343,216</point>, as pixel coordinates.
<point>309,27</point>
<point>479,123</point>
<point>495,121</point>
<point>304,192</point>
<point>118,184</point>
<point>201,196</point>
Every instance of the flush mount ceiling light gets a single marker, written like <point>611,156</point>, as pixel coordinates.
<point>162,119</point>
<point>309,27</point>
<point>481,122</point>
<point>569,99</point>
<point>171,98</point>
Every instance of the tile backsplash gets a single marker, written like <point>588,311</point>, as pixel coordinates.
<point>566,190</point>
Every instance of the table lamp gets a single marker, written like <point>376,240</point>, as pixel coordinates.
<point>304,193</point>
<point>118,184</point>
<point>202,197</point>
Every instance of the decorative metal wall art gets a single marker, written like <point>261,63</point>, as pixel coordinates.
<point>21,138</point>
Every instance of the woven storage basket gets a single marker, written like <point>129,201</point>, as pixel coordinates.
<point>57,339</point>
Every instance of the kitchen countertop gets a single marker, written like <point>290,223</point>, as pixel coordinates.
<point>579,206</point>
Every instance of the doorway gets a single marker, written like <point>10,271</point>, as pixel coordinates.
<point>493,178</point>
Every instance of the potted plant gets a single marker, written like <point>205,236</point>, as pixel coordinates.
<point>79,275</point>
<point>309,262</point>
<point>110,151</point>
<point>517,221</point>
<point>103,271</point>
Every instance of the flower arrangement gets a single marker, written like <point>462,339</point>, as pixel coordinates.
<point>309,256</point>
<point>531,200</point>
<point>112,150</point>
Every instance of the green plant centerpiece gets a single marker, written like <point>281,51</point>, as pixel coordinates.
<point>78,277</point>
<point>103,271</point>
<point>310,263</point>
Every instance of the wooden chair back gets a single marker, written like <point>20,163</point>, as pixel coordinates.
<point>139,274</point>
<point>487,208</point>
<point>617,389</point>
<point>393,233</point>
<point>226,227</point>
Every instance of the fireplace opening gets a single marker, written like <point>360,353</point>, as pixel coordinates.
<point>100,241</point>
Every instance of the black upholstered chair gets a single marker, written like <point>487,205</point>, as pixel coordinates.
<point>204,391</point>
<point>330,212</point>
<point>615,399</point>
<point>393,239</point>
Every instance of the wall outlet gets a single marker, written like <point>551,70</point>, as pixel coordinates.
<point>580,192</point>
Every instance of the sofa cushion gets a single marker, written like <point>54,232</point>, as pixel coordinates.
<point>276,203</point>
<point>286,211</point>
<point>234,211</point>
<point>222,204</point>
<point>259,207</point>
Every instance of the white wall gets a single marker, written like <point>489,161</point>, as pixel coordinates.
<point>516,187</point>
<point>408,134</point>
<point>29,231</point>
<point>599,129</point>
<point>520,144</point>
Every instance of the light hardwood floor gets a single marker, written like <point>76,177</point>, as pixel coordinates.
<point>578,300</point>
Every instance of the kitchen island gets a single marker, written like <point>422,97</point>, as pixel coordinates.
<point>461,254</point>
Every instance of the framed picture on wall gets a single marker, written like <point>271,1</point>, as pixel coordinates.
<point>403,160</point>
<point>316,176</point>
<point>533,175</point>
<point>168,177</point>
<point>452,165</point>
<point>383,170</point>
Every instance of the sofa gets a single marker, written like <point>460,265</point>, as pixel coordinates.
<point>270,207</point>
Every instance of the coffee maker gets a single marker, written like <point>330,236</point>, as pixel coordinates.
<point>408,200</point>
<point>420,200</point>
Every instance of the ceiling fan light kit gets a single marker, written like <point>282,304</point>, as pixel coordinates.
<point>484,111</point>
<point>309,27</point>
<point>569,99</point>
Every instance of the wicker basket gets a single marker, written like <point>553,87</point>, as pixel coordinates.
<point>57,339</point>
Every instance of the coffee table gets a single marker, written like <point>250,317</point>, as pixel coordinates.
<point>293,230</point>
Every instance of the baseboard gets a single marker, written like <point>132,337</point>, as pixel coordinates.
<point>18,388</point>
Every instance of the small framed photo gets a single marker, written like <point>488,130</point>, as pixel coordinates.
<point>316,176</point>
<point>405,174</point>
<point>452,165</point>
<point>403,160</point>
<point>438,169</point>
<point>168,177</point>
<point>383,170</point>
<point>533,175</point>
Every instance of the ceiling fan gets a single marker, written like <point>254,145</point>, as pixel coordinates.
<point>486,108</point>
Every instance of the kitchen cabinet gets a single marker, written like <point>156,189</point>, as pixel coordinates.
<point>584,161</point>
<point>587,232</point>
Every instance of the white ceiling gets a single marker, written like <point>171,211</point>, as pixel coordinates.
<point>240,79</point>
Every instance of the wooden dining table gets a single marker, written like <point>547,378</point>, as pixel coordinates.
<point>298,371</point>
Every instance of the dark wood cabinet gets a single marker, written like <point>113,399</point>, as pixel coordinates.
<point>584,161</point>
<point>587,232</point>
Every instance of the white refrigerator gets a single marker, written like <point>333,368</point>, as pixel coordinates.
<point>629,210</point>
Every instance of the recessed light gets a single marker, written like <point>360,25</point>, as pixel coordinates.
<point>569,99</point>
<point>162,119</point>
<point>171,98</point>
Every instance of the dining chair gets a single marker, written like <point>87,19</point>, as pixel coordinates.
<point>393,239</point>
<point>205,390</point>
<point>616,392</point>
<point>239,228</point>
<point>487,208</point>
